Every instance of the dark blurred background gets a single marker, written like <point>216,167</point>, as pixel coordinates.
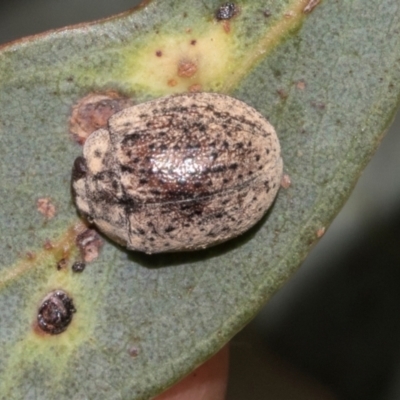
<point>333,331</point>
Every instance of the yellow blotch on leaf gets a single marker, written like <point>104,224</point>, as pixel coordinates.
<point>184,62</point>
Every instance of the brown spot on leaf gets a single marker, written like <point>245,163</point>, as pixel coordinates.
<point>48,245</point>
<point>310,6</point>
<point>30,255</point>
<point>78,266</point>
<point>59,248</point>
<point>193,42</point>
<point>227,26</point>
<point>186,69</point>
<point>285,181</point>
<point>62,264</point>
<point>55,312</point>
<point>158,53</point>
<point>195,88</point>
<point>172,82</point>
<point>93,111</point>
<point>320,232</point>
<point>133,351</point>
<point>282,93</point>
<point>46,207</point>
<point>319,105</point>
<point>301,85</point>
<point>267,13</point>
<point>89,243</point>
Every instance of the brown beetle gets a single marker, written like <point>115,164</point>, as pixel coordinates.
<point>183,172</point>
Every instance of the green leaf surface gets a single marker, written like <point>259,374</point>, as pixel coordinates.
<point>329,82</point>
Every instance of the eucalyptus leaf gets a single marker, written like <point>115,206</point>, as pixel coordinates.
<point>327,78</point>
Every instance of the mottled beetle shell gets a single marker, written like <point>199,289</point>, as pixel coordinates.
<point>179,173</point>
